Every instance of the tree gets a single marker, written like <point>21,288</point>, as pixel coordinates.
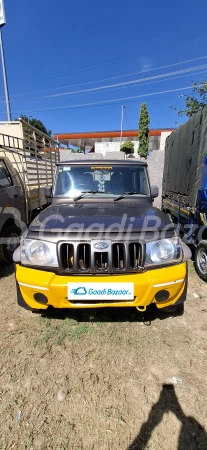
<point>196,102</point>
<point>144,122</point>
<point>127,147</point>
<point>37,124</point>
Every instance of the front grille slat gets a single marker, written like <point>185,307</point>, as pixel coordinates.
<point>118,258</point>
<point>67,256</point>
<point>84,257</point>
<point>135,255</point>
<point>101,261</point>
<point>134,248</point>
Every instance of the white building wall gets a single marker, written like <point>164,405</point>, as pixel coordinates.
<point>136,146</point>
<point>14,129</point>
<point>156,143</point>
<point>103,147</point>
<point>164,135</point>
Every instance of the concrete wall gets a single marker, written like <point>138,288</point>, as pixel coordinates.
<point>155,168</point>
<point>66,155</point>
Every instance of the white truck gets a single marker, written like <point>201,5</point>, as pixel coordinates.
<point>28,159</point>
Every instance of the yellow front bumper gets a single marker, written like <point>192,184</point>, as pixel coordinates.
<point>146,285</point>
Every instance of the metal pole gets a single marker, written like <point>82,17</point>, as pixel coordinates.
<point>5,78</point>
<point>122,118</point>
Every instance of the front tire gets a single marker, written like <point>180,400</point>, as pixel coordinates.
<point>201,260</point>
<point>9,241</point>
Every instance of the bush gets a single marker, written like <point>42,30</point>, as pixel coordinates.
<point>127,147</point>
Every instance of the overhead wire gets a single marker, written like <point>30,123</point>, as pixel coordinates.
<point>115,77</point>
<point>111,101</point>
<point>126,83</point>
<point>143,84</point>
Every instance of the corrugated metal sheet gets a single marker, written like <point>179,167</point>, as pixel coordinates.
<point>185,151</point>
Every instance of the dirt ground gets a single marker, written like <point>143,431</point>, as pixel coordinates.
<point>103,379</point>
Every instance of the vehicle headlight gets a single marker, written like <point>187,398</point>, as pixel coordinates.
<point>38,253</point>
<point>163,251</point>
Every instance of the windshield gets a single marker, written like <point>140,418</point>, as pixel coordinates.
<point>73,180</point>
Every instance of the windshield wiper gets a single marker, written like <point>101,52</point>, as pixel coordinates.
<point>88,192</point>
<point>127,193</point>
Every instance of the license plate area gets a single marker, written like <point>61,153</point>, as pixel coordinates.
<point>101,291</point>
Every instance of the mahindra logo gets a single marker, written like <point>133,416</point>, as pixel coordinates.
<point>101,245</point>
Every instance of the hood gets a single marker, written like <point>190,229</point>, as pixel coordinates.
<point>105,217</point>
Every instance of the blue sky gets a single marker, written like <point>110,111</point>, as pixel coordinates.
<point>54,48</point>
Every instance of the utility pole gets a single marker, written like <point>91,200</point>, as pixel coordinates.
<point>2,23</point>
<point>122,118</point>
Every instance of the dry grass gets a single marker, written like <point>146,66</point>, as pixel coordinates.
<point>96,379</point>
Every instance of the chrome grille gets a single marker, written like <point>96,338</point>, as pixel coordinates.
<point>84,258</point>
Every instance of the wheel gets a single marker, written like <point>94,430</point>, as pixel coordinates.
<point>201,260</point>
<point>9,241</point>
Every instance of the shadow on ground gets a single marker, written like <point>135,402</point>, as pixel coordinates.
<point>192,435</point>
<point>109,314</point>
<point>6,270</point>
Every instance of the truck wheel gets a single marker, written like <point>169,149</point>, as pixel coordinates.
<point>10,241</point>
<point>201,260</point>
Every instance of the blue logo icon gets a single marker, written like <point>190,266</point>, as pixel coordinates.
<point>79,291</point>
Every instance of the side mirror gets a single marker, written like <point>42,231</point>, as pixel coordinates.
<point>154,191</point>
<point>48,192</point>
